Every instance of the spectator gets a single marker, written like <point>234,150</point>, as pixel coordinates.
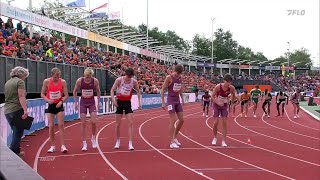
<point>15,105</point>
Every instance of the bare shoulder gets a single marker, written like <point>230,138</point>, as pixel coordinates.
<point>232,88</point>
<point>96,81</point>
<point>63,81</point>
<point>46,81</point>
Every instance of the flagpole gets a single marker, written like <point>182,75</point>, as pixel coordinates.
<point>122,24</point>
<point>147,24</point>
<point>108,16</point>
<point>88,41</point>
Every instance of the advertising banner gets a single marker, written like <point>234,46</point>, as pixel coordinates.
<point>272,68</point>
<point>42,21</point>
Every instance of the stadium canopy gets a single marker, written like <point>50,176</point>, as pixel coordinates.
<point>115,29</point>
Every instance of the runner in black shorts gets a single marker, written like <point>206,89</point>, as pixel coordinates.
<point>206,101</point>
<point>281,99</point>
<point>124,86</point>
<point>267,101</point>
<point>54,91</point>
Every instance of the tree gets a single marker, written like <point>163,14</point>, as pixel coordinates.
<point>224,47</point>
<point>165,38</point>
<point>245,53</point>
<point>201,46</point>
<point>300,57</point>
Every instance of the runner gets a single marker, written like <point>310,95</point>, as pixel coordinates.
<point>255,94</point>
<point>206,102</point>
<point>124,86</point>
<point>295,99</point>
<point>232,106</point>
<point>87,84</point>
<point>173,83</point>
<point>54,92</point>
<point>220,106</point>
<point>267,101</point>
<point>281,100</point>
<point>245,99</point>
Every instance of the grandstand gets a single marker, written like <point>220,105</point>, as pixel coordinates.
<point>111,48</point>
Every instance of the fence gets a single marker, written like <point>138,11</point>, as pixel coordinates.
<point>40,70</point>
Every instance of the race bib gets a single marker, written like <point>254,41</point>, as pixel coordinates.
<point>125,92</point>
<point>55,95</point>
<point>176,87</point>
<point>170,107</point>
<point>221,101</point>
<point>86,93</point>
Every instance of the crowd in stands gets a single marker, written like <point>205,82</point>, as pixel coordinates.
<point>16,43</point>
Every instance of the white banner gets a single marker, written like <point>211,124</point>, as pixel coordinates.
<point>223,66</point>
<point>274,68</point>
<point>133,49</point>
<point>42,21</point>
<point>315,68</point>
<point>254,67</point>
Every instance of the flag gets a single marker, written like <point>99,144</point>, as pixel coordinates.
<point>100,11</point>
<point>114,15</point>
<point>75,3</point>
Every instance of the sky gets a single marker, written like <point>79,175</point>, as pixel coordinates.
<point>263,25</point>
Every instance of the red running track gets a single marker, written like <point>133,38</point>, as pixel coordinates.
<point>282,148</point>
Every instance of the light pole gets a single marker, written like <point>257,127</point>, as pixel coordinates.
<point>212,19</point>
<point>147,24</point>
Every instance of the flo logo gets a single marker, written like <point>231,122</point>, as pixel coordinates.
<point>296,12</point>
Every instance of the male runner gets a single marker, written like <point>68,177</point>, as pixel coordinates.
<point>255,94</point>
<point>281,99</point>
<point>245,99</point>
<point>54,91</point>
<point>206,102</point>
<point>87,84</point>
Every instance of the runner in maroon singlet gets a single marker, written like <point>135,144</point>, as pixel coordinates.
<point>87,84</point>
<point>173,83</point>
<point>220,106</point>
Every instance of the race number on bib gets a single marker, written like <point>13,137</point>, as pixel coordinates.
<point>170,107</point>
<point>55,95</point>
<point>87,93</point>
<point>125,91</point>
<point>176,87</point>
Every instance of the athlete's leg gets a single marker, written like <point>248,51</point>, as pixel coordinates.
<point>278,108</point>
<point>51,127</point>
<point>60,117</point>
<point>264,107</point>
<point>283,108</point>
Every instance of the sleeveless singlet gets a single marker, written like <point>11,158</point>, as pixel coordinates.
<point>173,90</point>
<point>124,91</point>
<point>54,92</point>
<point>87,91</point>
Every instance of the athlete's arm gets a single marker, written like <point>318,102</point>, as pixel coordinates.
<point>181,95</point>
<point>44,91</point>
<point>233,94</point>
<point>65,91</point>
<point>96,82</point>
<point>136,86</point>
<point>114,87</point>
<point>214,93</point>
<point>164,87</point>
<point>75,91</point>
<point>287,98</point>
